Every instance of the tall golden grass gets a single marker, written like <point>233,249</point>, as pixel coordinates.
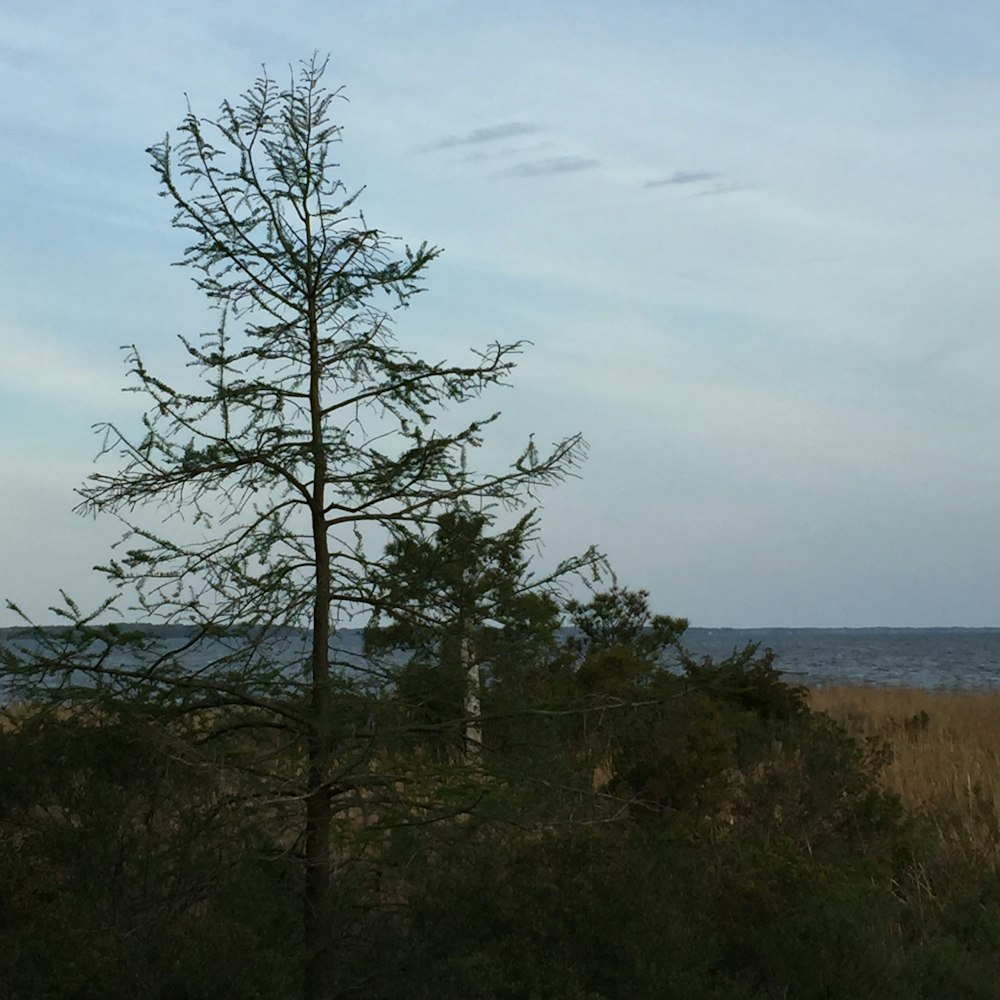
<point>946,754</point>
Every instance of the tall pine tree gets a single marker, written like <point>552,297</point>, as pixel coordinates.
<point>308,438</point>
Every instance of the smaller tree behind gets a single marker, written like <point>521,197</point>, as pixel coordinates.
<point>466,606</point>
<point>617,641</point>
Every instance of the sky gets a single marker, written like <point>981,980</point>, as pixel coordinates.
<point>754,246</point>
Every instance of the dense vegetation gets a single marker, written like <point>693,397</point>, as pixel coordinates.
<point>626,830</point>
<point>477,807</point>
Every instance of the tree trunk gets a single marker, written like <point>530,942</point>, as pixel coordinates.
<point>319,981</point>
<point>473,686</point>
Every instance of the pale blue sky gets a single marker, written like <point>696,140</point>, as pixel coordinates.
<point>756,246</point>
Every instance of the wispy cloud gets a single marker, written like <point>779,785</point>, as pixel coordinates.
<point>19,59</point>
<point>699,183</point>
<point>488,133</point>
<point>37,366</point>
<point>717,189</point>
<point>683,177</point>
<point>481,155</point>
<point>553,165</point>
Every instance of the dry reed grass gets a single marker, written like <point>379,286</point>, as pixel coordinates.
<point>946,753</point>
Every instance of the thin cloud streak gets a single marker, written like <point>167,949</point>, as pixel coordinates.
<point>488,133</point>
<point>19,59</point>
<point>549,167</point>
<point>722,189</point>
<point>38,367</point>
<point>683,177</point>
<point>483,155</point>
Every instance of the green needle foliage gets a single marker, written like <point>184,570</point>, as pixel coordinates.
<point>469,612</point>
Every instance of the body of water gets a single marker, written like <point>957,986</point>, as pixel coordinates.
<point>930,658</point>
<point>961,658</point>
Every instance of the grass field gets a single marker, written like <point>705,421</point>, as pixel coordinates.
<point>946,753</point>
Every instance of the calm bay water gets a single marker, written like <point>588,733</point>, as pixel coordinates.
<point>923,657</point>
<point>964,658</point>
